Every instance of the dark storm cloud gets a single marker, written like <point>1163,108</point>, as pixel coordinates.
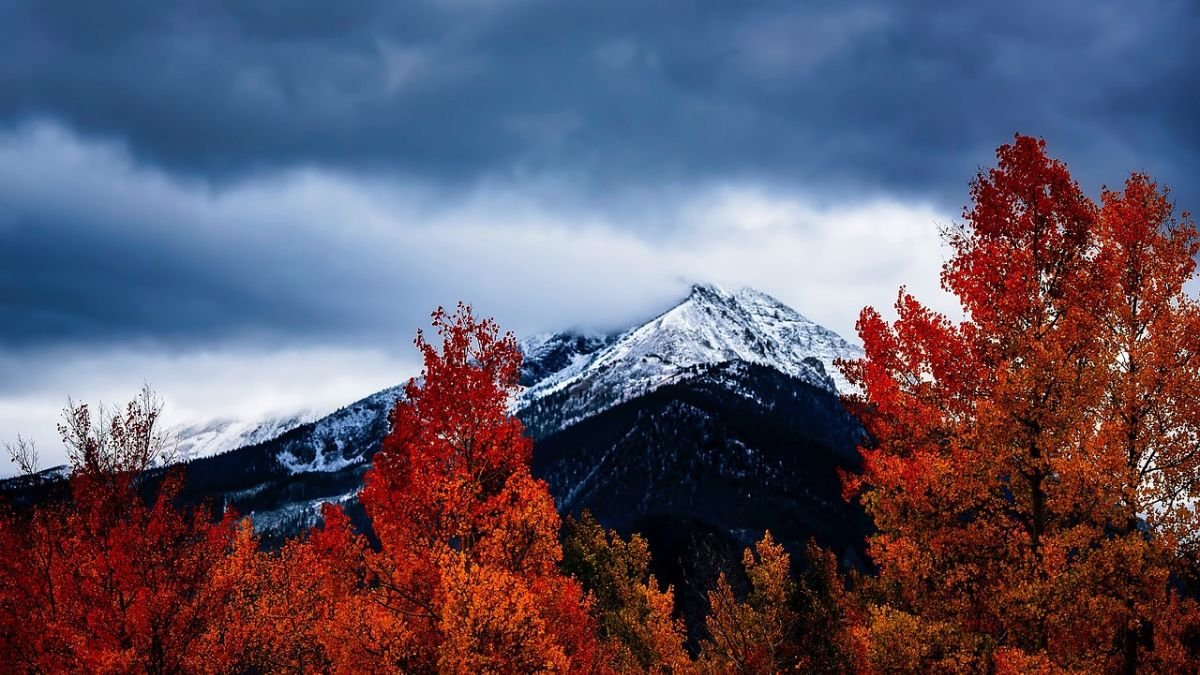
<point>907,97</point>
<point>838,101</point>
<point>101,284</point>
<point>94,251</point>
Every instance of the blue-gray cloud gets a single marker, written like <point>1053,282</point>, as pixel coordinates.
<point>617,112</point>
<point>908,97</point>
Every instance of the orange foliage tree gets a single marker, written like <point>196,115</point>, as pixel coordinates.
<point>108,581</point>
<point>306,607</point>
<point>753,635</point>
<point>1032,469</point>
<point>634,615</point>
<point>465,574</point>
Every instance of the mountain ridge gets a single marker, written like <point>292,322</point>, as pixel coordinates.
<point>586,372</point>
<point>716,348</point>
<point>709,326</point>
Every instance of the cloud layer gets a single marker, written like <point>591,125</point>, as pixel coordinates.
<point>902,97</point>
<point>134,256</point>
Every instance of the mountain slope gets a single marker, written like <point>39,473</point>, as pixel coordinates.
<point>722,411</point>
<point>212,437</point>
<point>738,446</point>
<point>282,482</point>
<point>550,353</point>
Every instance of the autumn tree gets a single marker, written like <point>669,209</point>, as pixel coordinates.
<point>24,453</point>
<point>291,609</point>
<point>826,613</point>
<point>751,634</point>
<point>635,616</point>
<point>465,575</point>
<point>1031,468</point>
<point>109,580</point>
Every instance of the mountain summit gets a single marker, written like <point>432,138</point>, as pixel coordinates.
<point>578,375</point>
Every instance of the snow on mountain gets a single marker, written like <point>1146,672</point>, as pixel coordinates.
<point>712,325</point>
<point>728,355</point>
<point>339,434</point>
<point>549,353</point>
<point>212,437</point>
<point>342,438</point>
<point>571,375</point>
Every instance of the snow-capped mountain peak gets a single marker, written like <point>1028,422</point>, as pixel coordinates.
<point>711,325</point>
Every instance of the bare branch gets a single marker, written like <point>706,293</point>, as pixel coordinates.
<point>24,454</point>
<point>113,440</point>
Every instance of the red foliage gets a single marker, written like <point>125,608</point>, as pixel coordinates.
<point>106,582</point>
<point>1031,467</point>
<point>465,577</point>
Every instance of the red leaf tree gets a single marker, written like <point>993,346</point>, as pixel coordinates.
<point>1032,468</point>
<point>465,578</point>
<point>108,581</point>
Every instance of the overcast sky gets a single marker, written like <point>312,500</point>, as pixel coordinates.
<point>253,205</point>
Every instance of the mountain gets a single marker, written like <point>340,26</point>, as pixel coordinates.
<point>710,326</point>
<point>717,418</point>
<point>282,482</point>
<point>550,353</point>
<point>739,446</point>
<point>700,429</point>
